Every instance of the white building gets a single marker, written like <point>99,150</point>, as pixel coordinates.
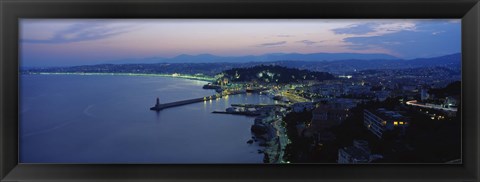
<point>381,120</point>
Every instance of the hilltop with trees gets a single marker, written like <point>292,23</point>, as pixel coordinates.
<point>272,74</point>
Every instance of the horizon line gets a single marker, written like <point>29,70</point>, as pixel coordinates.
<point>160,62</point>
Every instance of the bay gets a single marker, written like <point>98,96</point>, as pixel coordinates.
<point>106,119</point>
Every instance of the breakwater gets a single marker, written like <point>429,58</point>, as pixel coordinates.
<point>159,106</point>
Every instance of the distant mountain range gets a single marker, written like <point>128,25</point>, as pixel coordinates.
<point>209,58</point>
<point>451,62</point>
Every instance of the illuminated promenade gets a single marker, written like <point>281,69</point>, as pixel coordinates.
<point>175,75</point>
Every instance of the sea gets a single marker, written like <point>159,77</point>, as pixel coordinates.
<point>88,119</point>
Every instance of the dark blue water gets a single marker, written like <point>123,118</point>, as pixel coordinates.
<point>106,119</point>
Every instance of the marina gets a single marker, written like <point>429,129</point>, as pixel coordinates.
<point>158,106</point>
<point>237,113</point>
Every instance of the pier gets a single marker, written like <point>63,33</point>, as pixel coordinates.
<point>159,106</point>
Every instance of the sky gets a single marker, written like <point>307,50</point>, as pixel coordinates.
<point>67,42</point>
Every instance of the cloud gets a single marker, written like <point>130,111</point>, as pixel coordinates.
<point>82,32</point>
<point>428,38</point>
<point>307,42</point>
<point>438,32</point>
<point>285,35</point>
<point>405,38</point>
<point>356,29</point>
<point>387,28</point>
<point>376,28</point>
<point>270,44</point>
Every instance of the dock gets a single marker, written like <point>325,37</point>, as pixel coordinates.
<point>237,113</point>
<point>259,105</point>
<point>159,106</point>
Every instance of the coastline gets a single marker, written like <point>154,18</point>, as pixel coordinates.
<point>274,149</point>
<point>189,77</point>
<point>153,126</point>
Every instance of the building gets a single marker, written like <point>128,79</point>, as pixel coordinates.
<point>452,101</point>
<point>424,95</point>
<point>358,153</point>
<point>382,95</point>
<point>325,116</point>
<point>410,88</point>
<point>302,106</point>
<point>345,103</point>
<point>382,120</point>
<point>328,115</point>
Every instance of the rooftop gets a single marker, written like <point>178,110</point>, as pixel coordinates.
<point>388,115</point>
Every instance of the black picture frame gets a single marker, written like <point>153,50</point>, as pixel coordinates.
<point>12,10</point>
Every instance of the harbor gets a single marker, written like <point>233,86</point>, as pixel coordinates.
<point>236,113</point>
<point>267,129</point>
<point>158,106</point>
<point>250,109</point>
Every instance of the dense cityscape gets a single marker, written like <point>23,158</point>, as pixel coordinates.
<point>406,115</point>
<point>169,91</point>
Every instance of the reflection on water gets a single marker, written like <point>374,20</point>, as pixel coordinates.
<point>106,119</point>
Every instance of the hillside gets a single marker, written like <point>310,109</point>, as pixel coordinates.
<point>272,74</point>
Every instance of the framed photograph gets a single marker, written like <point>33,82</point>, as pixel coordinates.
<point>239,91</point>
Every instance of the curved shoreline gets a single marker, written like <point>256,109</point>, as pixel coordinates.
<point>189,77</point>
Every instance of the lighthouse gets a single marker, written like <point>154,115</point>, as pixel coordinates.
<point>157,106</point>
